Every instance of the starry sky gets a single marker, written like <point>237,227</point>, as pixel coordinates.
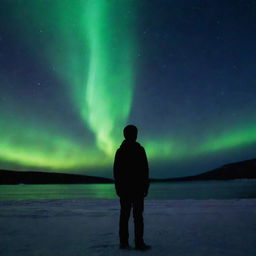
<point>75,72</point>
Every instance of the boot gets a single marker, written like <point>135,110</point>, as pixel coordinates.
<point>124,246</point>
<point>142,246</point>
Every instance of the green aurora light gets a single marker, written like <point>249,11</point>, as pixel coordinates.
<point>90,45</point>
<point>111,71</point>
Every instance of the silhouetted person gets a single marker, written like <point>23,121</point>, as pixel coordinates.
<point>131,183</point>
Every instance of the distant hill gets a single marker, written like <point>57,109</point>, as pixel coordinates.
<point>17,177</point>
<point>239,170</point>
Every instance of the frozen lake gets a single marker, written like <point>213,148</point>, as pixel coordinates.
<point>233,189</point>
<point>89,227</point>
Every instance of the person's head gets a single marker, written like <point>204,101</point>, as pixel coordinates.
<point>130,132</point>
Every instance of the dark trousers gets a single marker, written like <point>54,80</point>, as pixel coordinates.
<point>127,204</point>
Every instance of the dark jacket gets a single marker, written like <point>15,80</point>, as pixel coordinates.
<point>131,170</point>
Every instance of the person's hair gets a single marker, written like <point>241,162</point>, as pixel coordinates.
<point>130,132</point>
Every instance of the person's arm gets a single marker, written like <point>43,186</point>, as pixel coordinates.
<point>146,173</point>
<point>116,170</point>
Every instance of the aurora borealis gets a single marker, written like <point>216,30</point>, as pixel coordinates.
<point>75,72</point>
<point>110,73</point>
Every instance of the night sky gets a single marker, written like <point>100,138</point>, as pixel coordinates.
<point>75,72</point>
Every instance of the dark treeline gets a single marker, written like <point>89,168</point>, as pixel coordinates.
<point>240,170</point>
<point>17,177</point>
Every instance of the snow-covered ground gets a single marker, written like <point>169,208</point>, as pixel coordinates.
<point>90,227</point>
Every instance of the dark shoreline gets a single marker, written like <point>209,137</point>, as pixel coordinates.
<point>239,170</point>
